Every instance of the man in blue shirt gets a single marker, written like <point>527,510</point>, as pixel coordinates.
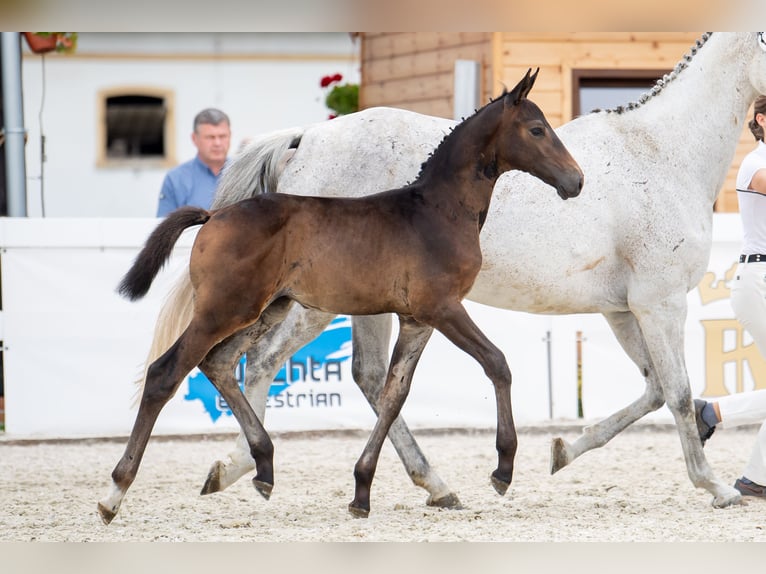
<point>194,182</point>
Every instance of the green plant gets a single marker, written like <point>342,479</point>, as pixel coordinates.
<point>342,99</point>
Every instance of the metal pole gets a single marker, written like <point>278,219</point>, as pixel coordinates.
<point>579,339</point>
<point>548,342</point>
<point>13,125</point>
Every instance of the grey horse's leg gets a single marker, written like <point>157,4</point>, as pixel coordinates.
<point>628,333</point>
<point>371,337</point>
<point>663,327</point>
<point>264,359</point>
<point>654,337</point>
<point>412,339</point>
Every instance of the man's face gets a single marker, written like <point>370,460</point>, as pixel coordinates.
<point>212,142</point>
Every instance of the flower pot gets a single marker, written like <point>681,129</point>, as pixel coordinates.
<point>40,44</point>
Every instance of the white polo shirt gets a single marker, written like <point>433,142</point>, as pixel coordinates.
<point>752,205</point>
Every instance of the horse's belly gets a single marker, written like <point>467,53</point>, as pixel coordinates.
<point>546,293</point>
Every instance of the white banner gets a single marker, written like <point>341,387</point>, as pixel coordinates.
<point>72,349</point>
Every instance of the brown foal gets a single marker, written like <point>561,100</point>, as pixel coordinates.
<point>412,251</point>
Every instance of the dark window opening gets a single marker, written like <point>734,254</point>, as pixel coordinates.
<point>609,89</point>
<point>135,127</point>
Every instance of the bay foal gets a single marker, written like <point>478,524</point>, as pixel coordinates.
<point>413,251</point>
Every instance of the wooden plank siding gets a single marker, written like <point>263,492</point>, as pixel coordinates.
<point>415,70</point>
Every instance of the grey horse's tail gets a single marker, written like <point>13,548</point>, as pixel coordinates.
<point>257,167</point>
<point>254,170</point>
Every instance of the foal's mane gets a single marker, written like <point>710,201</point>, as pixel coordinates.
<point>455,131</point>
<point>664,81</point>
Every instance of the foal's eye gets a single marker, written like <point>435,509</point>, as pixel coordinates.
<point>537,132</point>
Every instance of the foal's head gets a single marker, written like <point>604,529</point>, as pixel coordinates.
<point>526,141</point>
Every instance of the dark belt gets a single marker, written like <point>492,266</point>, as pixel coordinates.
<point>754,258</point>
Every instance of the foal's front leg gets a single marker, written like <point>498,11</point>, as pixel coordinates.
<point>412,339</point>
<point>371,337</point>
<point>458,327</point>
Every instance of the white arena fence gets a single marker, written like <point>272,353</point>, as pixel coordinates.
<point>72,348</point>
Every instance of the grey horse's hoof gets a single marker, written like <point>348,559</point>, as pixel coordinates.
<point>264,488</point>
<point>213,481</point>
<point>500,486</point>
<point>559,456</point>
<point>450,501</point>
<point>733,499</point>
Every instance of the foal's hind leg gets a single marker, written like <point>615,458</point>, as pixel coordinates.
<point>162,381</point>
<point>371,337</point>
<point>412,339</point>
<point>219,366</point>
<point>628,333</point>
<point>265,355</point>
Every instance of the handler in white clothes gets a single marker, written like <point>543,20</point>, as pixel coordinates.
<point>748,299</point>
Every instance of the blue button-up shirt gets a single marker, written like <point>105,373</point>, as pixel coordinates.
<point>191,183</point>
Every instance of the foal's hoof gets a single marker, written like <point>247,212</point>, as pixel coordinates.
<point>450,501</point>
<point>358,511</point>
<point>559,455</point>
<point>500,485</point>
<point>213,481</point>
<point>263,487</point>
<point>106,514</point>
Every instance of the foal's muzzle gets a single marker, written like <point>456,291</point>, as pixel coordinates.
<point>571,188</point>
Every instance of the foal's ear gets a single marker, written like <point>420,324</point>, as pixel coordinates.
<point>522,89</point>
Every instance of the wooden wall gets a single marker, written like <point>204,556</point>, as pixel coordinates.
<point>559,54</point>
<point>415,70</point>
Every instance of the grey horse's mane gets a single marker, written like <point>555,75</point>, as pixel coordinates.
<point>664,81</point>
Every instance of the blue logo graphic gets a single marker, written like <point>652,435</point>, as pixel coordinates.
<point>318,361</point>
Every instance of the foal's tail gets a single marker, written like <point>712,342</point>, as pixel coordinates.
<point>255,170</point>
<point>158,249</point>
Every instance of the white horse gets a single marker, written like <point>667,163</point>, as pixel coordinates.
<point>630,247</point>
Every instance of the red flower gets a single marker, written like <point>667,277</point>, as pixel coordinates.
<point>332,116</point>
<point>327,80</point>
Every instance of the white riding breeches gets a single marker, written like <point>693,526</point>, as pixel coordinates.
<point>748,299</point>
<point>747,408</point>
